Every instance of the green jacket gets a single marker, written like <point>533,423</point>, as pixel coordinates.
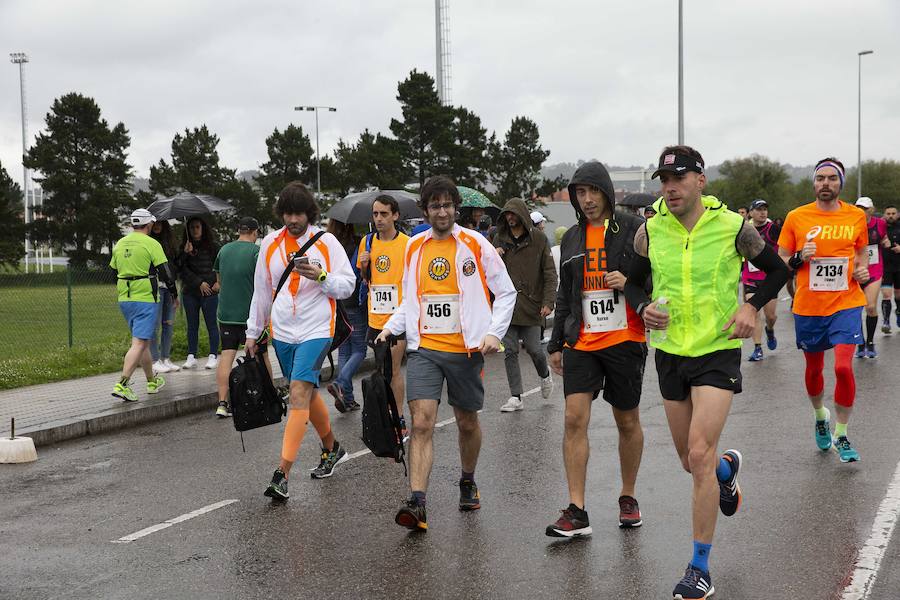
<point>698,271</point>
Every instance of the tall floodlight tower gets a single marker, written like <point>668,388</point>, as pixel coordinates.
<point>20,58</point>
<point>442,50</point>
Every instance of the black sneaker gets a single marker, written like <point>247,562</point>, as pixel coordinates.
<point>278,488</point>
<point>469,498</point>
<point>412,516</point>
<point>329,461</point>
<point>338,394</point>
<point>572,522</point>
<point>695,585</point>
<point>729,490</point>
<point>353,405</point>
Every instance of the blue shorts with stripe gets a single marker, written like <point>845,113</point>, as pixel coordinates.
<point>816,334</point>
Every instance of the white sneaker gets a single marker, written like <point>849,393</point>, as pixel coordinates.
<point>190,363</point>
<point>160,367</point>
<point>547,386</point>
<point>513,404</point>
<point>212,361</point>
<point>172,366</point>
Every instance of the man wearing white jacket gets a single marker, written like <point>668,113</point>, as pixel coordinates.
<point>450,323</point>
<point>302,315</point>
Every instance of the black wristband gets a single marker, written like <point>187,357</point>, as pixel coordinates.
<point>795,261</point>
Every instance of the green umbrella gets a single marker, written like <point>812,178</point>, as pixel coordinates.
<point>473,198</point>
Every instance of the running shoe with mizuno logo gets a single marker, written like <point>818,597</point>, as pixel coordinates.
<point>330,459</point>
<point>695,585</point>
<point>124,392</point>
<point>729,490</point>
<point>155,384</point>
<point>412,516</point>
<point>629,512</point>
<point>845,450</point>
<point>469,497</point>
<point>771,341</point>
<point>823,432</point>
<point>572,522</point>
<point>278,488</point>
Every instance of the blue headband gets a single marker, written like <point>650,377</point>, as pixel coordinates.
<point>828,163</point>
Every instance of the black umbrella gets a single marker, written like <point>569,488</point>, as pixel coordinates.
<point>186,204</point>
<point>638,200</point>
<point>357,208</point>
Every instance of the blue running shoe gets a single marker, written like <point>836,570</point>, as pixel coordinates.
<point>846,451</point>
<point>823,432</point>
<point>757,355</point>
<point>695,585</point>
<point>860,351</point>
<point>771,342</point>
<point>729,490</point>
<point>870,351</point>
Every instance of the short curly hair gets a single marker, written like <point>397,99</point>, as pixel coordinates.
<point>294,199</point>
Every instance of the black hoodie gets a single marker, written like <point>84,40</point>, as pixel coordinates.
<point>619,243</point>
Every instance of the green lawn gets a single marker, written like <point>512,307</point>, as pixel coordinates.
<point>34,337</point>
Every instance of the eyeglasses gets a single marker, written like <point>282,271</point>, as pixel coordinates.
<point>439,207</point>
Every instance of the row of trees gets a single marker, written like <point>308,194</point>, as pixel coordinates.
<point>81,162</point>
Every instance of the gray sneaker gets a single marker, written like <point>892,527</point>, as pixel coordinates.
<point>329,461</point>
<point>278,489</point>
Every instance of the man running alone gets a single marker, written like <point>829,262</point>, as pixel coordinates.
<point>824,243</point>
<point>597,343</point>
<point>694,247</point>
<point>529,262</point>
<point>450,324</point>
<point>139,261</point>
<point>302,317</point>
<point>752,277</point>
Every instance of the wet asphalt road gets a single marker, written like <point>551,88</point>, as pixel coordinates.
<point>804,517</point>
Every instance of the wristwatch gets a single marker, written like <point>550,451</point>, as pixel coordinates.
<point>322,276</point>
<point>796,261</point>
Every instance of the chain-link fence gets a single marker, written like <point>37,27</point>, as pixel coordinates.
<point>63,325</point>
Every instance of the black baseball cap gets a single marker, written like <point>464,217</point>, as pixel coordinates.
<point>248,224</point>
<point>758,203</point>
<point>677,163</point>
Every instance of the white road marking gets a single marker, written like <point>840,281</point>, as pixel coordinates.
<point>869,559</point>
<point>166,524</point>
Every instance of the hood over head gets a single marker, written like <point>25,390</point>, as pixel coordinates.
<point>518,207</point>
<point>592,173</point>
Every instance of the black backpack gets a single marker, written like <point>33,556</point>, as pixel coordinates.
<point>381,430</point>
<point>255,402</point>
<point>342,327</point>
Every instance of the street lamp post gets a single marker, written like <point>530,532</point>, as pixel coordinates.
<point>318,165</point>
<point>859,127</point>
<point>680,74</point>
<point>20,58</point>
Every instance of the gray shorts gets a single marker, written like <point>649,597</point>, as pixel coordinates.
<point>427,369</point>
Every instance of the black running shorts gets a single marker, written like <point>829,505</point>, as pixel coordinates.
<point>233,337</point>
<point>678,374</point>
<point>617,370</point>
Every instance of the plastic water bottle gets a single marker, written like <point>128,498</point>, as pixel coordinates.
<point>662,305</point>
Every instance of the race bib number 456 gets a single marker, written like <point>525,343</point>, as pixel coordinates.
<point>440,314</point>
<point>603,310</point>
<point>829,274</point>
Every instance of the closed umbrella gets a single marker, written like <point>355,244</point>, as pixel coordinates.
<point>357,208</point>
<point>187,204</point>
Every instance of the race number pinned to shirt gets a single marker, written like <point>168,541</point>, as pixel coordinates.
<point>383,299</point>
<point>603,310</point>
<point>829,274</point>
<point>874,257</point>
<point>440,314</point>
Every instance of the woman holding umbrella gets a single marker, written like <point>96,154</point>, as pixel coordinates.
<point>200,291</point>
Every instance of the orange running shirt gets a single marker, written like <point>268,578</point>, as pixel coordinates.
<point>437,277</point>
<point>841,233</point>
<point>597,308</point>
<point>386,260</point>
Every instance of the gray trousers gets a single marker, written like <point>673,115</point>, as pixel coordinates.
<point>531,337</point>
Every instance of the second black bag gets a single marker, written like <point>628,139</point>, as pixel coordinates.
<point>254,400</point>
<point>381,430</point>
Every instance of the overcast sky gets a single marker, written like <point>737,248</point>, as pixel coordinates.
<point>774,77</point>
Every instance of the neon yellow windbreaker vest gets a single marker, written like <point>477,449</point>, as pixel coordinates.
<point>698,272</point>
